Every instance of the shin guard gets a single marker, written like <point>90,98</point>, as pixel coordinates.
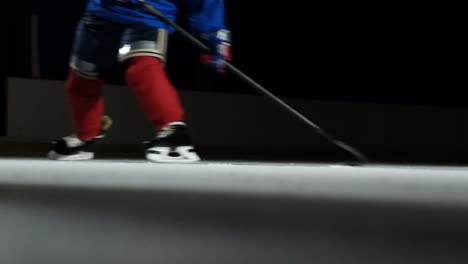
<point>158,98</point>
<point>87,105</point>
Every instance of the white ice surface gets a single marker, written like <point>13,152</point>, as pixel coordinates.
<point>406,184</point>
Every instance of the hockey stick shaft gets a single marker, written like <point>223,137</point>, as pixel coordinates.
<point>357,154</point>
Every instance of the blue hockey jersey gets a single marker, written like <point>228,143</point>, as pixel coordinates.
<point>204,16</point>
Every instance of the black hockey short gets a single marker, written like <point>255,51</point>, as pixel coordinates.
<point>100,43</point>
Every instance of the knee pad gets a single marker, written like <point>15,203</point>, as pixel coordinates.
<point>84,69</point>
<point>142,40</point>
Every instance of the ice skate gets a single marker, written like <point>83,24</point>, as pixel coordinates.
<point>172,144</point>
<point>72,148</point>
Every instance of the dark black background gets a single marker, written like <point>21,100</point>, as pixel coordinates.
<point>335,50</point>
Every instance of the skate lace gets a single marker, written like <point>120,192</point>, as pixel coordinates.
<point>166,131</point>
<point>169,129</point>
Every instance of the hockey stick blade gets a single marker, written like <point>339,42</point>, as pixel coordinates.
<point>354,152</point>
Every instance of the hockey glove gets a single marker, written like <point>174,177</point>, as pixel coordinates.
<point>220,44</point>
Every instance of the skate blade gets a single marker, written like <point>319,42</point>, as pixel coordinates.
<point>184,154</point>
<point>79,156</point>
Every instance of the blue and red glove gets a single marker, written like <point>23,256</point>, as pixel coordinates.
<point>220,44</point>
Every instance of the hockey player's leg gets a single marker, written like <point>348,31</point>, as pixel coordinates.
<point>160,101</point>
<point>87,106</point>
<point>94,47</point>
<point>143,50</point>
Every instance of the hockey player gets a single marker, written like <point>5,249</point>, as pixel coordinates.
<point>124,29</point>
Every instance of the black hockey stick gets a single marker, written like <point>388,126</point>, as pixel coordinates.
<point>358,155</point>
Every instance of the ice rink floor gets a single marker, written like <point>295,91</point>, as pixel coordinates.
<point>432,185</point>
<point>133,211</point>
